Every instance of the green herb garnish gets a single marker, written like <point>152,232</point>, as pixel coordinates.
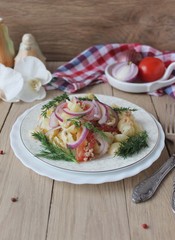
<point>94,129</point>
<point>86,98</point>
<point>78,123</point>
<point>124,109</point>
<point>133,145</point>
<point>52,151</point>
<point>53,103</point>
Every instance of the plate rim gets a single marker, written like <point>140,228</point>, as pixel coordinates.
<point>81,178</point>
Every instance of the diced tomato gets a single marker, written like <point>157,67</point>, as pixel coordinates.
<point>107,128</point>
<point>83,149</point>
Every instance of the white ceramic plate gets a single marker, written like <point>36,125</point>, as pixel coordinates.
<point>102,170</point>
<point>105,163</point>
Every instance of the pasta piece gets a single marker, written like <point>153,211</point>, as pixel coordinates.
<point>120,137</point>
<point>110,137</point>
<point>74,106</point>
<point>114,148</point>
<point>126,127</point>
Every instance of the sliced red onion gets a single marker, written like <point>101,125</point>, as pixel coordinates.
<point>125,72</point>
<point>53,121</point>
<point>53,129</point>
<point>115,116</point>
<point>104,113</point>
<point>90,115</point>
<point>102,145</point>
<point>66,110</point>
<point>97,111</point>
<point>59,110</point>
<point>82,137</point>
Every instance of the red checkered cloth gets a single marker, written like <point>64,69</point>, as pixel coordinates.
<point>88,67</point>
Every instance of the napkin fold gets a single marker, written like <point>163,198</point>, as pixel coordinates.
<point>88,67</point>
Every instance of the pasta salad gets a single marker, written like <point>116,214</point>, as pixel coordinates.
<point>81,129</point>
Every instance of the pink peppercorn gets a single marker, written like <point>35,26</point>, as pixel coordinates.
<point>1,152</point>
<point>14,199</point>
<point>145,226</point>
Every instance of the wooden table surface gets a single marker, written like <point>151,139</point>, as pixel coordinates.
<point>50,210</point>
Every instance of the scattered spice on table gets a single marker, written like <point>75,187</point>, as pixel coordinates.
<point>1,152</point>
<point>145,226</point>
<point>14,199</point>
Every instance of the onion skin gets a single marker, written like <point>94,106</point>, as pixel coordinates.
<point>129,56</point>
<point>125,72</point>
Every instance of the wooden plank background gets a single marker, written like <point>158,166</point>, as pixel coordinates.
<point>64,28</point>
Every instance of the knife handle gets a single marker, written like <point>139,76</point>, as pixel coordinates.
<point>145,190</point>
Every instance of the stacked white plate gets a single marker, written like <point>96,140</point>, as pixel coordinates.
<point>105,169</point>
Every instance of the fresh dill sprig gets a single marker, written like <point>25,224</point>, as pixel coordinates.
<point>94,129</point>
<point>78,123</point>
<point>86,98</point>
<point>53,103</point>
<point>133,145</point>
<point>76,120</point>
<point>52,151</point>
<point>124,109</point>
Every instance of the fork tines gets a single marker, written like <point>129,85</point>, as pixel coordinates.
<point>170,119</point>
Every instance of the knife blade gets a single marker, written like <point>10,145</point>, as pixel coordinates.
<point>146,189</point>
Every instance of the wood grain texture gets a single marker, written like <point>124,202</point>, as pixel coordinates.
<point>65,28</point>
<point>51,210</point>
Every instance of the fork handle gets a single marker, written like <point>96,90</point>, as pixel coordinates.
<point>145,189</point>
<point>173,197</point>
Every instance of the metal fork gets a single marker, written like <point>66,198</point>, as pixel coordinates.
<point>146,188</point>
<point>170,134</point>
<point>170,121</point>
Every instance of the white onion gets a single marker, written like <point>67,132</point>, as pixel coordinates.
<point>125,72</point>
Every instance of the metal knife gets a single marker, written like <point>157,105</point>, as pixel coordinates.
<point>146,189</point>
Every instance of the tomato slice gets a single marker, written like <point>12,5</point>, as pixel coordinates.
<point>151,69</point>
<point>107,128</point>
<point>83,149</point>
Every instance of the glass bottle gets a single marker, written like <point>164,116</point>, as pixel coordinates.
<point>7,51</point>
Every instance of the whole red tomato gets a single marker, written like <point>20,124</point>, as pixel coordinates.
<point>151,69</point>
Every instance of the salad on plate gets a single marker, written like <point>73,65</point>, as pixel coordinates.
<point>81,129</point>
